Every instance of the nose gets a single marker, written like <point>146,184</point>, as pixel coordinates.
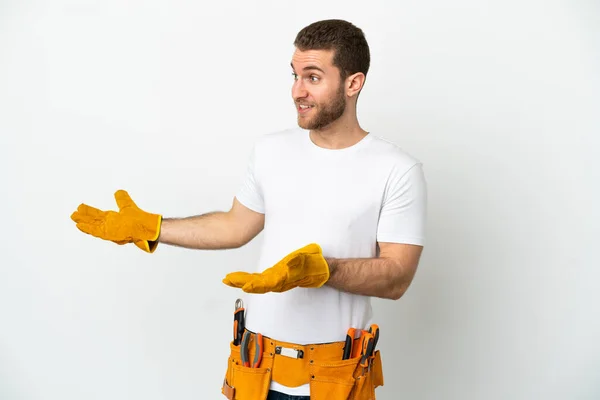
<point>299,90</point>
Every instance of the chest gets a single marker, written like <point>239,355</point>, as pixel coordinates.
<point>331,197</point>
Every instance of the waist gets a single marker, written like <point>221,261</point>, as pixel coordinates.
<point>327,351</point>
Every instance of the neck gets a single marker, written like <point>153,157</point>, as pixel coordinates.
<point>341,133</point>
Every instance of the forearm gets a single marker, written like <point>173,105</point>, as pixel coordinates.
<point>214,230</point>
<point>378,277</point>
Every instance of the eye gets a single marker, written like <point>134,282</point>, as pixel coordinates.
<point>314,78</point>
<point>295,75</point>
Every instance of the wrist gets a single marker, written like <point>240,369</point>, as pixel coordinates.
<point>331,263</point>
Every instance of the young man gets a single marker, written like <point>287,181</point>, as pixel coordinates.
<point>343,214</point>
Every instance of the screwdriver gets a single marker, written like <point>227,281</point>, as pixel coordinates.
<point>348,344</point>
<point>239,322</point>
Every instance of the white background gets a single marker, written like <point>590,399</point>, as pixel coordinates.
<point>500,100</point>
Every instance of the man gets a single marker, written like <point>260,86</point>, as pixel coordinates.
<point>343,215</point>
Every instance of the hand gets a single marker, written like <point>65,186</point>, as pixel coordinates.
<point>129,225</point>
<point>305,267</point>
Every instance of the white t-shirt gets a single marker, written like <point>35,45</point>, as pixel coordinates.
<point>346,200</point>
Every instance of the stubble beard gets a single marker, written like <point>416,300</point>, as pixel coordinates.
<point>326,114</point>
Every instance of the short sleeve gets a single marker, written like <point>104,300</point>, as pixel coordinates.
<point>249,193</point>
<point>403,213</point>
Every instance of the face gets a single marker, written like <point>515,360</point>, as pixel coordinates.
<point>318,91</point>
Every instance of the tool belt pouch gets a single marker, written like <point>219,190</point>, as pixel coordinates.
<point>329,377</point>
<point>367,379</point>
<point>332,380</point>
<point>246,383</point>
<point>346,379</point>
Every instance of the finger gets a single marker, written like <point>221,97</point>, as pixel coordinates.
<point>228,282</point>
<point>90,229</point>
<point>237,279</point>
<point>231,283</point>
<point>85,210</point>
<point>79,217</point>
<point>123,199</point>
<point>265,282</point>
<point>91,211</point>
<point>255,285</point>
<point>99,230</point>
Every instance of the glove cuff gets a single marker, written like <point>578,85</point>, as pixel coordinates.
<point>152,225</point>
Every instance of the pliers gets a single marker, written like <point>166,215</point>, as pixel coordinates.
<point>366,345</point>
<point>245,351</point>
<point>367,348</point>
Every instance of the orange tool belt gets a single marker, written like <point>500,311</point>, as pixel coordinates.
<point>249,373</point>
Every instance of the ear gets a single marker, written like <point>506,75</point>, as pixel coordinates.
<point>354,83</point>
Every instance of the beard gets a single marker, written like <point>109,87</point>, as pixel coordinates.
<point>325,113</point>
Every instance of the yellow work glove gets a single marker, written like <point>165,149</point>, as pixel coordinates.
<point>129,225</point>
<point>305,267</point>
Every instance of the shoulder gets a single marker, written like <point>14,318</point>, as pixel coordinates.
<point>404,175</point>
<point>392,154</point>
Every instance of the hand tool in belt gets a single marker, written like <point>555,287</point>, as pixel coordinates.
<point>366,349</point>
<point>373,330</point>
<point>348,345</point>
<point>245,351</point>
<point>357,350</point>
<point>239,322</point>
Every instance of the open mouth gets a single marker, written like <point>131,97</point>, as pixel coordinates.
<point>302,108</point>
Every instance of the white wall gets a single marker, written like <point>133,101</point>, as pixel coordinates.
<point>500,100</point>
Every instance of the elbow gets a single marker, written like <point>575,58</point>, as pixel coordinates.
<point>397,291</point>
<point>399,283</point>
<point>241,241</point>
<point>237,244</point>
<point>395,295</point>
<point>234,245</point>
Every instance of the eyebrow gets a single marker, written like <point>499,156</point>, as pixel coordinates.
<point>309,67</point>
